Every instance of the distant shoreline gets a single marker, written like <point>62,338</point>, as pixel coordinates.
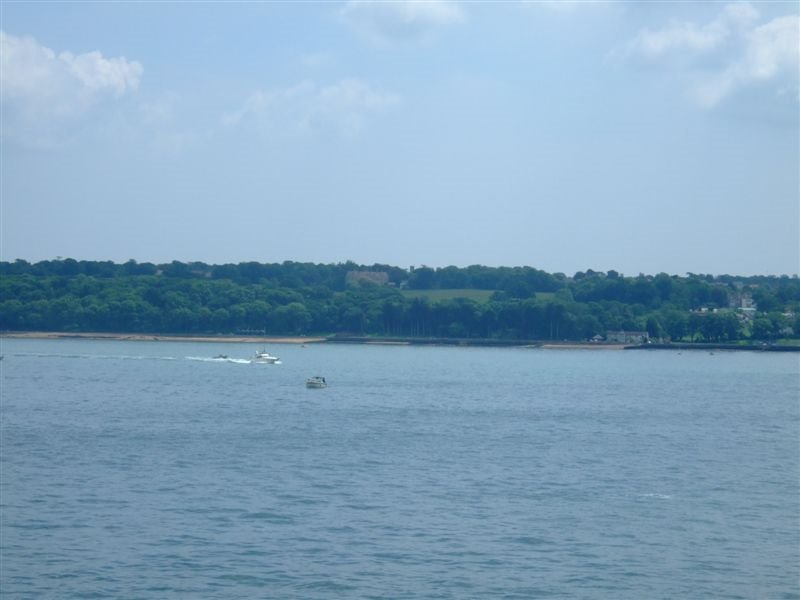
<point>387,341</point>
<point>715,346</point>
<point>153,337</point>
<point>263,339</point>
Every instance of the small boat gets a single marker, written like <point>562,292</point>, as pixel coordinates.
<point>221,356</point>
<point>316,382</point>
<point>265,357</point>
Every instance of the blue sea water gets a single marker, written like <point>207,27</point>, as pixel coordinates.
<point>149,470</point>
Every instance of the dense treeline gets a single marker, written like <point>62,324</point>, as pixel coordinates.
<point>305,298</point>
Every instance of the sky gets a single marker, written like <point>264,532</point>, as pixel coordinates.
<point>642,137</point>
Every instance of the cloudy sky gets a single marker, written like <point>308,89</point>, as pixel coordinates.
<point>636,136</point>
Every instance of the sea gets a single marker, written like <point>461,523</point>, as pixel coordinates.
<point>151,469</point>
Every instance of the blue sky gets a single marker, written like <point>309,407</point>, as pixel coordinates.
<point>635,136</point>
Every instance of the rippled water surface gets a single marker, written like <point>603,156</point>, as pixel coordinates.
<point>149,470</point>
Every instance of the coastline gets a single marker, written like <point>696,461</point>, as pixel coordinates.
<point>711,346</point>
<point>387,341</point>
<point>579,346</point>
<point>151,337</point>
<point>338,339</point>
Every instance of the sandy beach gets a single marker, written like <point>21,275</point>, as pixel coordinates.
<point>587,346</point>
<point>147,337</point>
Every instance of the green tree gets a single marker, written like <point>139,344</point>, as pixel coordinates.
<point>762,329</point>
<point>654,327</point>
<point>676,324</point>
<point>292,318</point>
<point>422,278</point>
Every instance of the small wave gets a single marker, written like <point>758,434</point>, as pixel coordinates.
<point>530,540</point>
<point>141,357</point>
<point>92,356</point>
<point>52,355</point>
<point>657,496</point>
<point>270,517</point>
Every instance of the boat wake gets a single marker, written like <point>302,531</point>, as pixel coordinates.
<point>209,359</point>
<point>215,359</point>
<point>92,356</point>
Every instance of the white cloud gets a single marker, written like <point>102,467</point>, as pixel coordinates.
<point>749,53</point>
<point>680,36</point>
<point>772,48</point>
<point>771,52</point>
<point>400,21</point>
<point>306,107</point>
<point>37,83</point>
<point>563,6</point>
<point>740,14</point>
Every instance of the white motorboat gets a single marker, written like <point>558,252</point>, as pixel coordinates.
<point>265,357</point>
<point>316,382</point>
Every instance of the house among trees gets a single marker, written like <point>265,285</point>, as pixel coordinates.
<point>741,300</point>
<point>627,337</point>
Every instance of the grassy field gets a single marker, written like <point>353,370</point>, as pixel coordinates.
<point>436,295</point>
<point>481,296</point>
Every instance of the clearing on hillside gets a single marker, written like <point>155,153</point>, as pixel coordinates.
<point>480,296</point>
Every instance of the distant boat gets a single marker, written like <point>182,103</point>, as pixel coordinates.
<point>221,356</point>
<point>316,382</point>
<point>265,357</point>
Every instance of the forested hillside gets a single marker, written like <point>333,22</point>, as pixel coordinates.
<point>304,298</point>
